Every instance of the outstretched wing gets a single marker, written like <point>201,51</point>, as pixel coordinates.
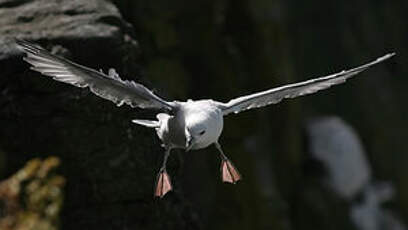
<point>109,87</point>
<point>275,95</point>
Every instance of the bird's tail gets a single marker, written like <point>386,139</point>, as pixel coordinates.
<point>147,123</point>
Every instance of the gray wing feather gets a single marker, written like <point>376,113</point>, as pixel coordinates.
<point>275,95</point>
<point>110,87</point>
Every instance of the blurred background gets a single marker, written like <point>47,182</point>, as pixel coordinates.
<point>333,160</point>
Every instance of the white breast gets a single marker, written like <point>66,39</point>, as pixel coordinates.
<point>204,113</point>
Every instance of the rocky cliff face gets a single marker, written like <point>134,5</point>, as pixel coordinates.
<point>207,49</point>
<point>109,164</point>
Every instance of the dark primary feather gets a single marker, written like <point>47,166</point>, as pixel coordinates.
<point>275,95</point>
<point>110,87</point>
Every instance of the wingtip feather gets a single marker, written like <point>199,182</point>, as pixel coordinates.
<point>28,47</point>
<point>385,57</point>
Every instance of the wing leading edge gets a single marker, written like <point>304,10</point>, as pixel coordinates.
<point>110,87</point>
<point>275,95</point>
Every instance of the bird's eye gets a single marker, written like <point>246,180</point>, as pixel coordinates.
<point>202,132</point>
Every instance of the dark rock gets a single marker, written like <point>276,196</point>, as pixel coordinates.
<point>205,49</point>
<point>109,163</point>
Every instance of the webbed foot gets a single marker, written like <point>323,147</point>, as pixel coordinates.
<point>163,184</point>
<point>228,172</point>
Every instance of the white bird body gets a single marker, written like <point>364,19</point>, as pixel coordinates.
<point>204,122</point>
<point>194,125</point>
<point>186,125</point>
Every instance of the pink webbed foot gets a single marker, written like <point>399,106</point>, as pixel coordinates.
<point>163,184</point>
<point>228,172</point>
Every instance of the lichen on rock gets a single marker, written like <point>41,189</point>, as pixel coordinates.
<point>32,198</point>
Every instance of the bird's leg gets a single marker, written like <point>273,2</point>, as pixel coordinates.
<point>163,183</point>
<point>228,171</point>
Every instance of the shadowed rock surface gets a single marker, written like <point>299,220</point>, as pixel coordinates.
<point>205,49</point>
<point>109,163</point>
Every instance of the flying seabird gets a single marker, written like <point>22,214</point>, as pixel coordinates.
<point>185,125</point>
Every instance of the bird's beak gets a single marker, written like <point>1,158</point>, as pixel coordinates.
<point>189,143</point>
<point>189,139</point>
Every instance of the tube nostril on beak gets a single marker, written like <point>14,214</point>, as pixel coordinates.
<point>189,143</point>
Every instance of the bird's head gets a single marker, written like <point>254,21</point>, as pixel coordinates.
<point>195,133</point>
